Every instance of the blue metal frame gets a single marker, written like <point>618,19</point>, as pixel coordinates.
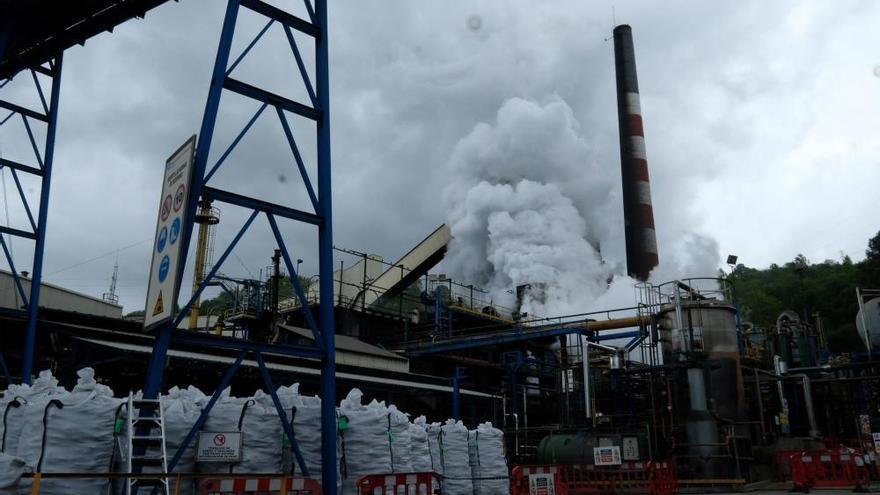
<point>457,377</point>
<point>49,116</point>
<point>519,335</point>
<point>317,110</point>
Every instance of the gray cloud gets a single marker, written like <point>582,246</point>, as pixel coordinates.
<point>760,123</point>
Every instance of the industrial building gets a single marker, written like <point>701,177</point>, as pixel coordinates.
<point>676,377</point>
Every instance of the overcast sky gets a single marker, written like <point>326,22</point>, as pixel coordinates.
<point>761,124</point>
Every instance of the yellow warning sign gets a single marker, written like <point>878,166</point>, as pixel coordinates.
<point>159,307</point>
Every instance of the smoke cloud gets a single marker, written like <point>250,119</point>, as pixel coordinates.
<point>528,204</point>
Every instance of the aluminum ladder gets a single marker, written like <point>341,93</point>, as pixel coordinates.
<point>146,434</point>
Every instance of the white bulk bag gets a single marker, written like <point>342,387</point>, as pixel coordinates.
<point>401,450</point>
<point>365,442</point>
<point>420,452</point>
<point>11,470</point>
<point>433,432</point>
<point>21,402</point>
<point>261,435</point>
<point>488,465</point>
<point>79,437</point>
<point>456,462</point>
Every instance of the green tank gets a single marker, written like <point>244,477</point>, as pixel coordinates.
<point>567,448</point>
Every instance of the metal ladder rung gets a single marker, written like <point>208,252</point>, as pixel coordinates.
<point>146,432</point>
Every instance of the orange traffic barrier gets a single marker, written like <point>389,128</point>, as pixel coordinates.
<point>651,478</point>
<point>829,469</point>
<point>263,485</point>
<point>663,478</point>
<point>399,484</point>
<point>537,480</point>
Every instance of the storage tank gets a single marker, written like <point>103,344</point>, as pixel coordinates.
<point>868,318</point>
<point>577,448</point>
<point>701,332</point>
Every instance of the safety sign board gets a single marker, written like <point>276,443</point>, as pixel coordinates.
<point>219,446</point>
<point>630,448</point>
<point>542,484</point>
<point>162,287</point>
<point>865,422</point>
<point>606,456</point>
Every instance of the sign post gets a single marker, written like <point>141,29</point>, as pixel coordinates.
<point>162,287</point>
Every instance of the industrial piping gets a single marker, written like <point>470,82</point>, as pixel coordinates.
<point>638,214</point>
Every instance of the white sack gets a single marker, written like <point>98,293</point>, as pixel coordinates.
<point>261,435</point>
<point>488,465</point>
<point>399,439</point>
<point>433,432</point>
<point>456,463</point>
<point>365,443</point>
<point>420,451</point>
<point>79,437</point>
<point>21,402</point>
<point>11,470</point>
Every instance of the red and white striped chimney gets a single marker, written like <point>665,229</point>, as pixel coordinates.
<point>638,214</point>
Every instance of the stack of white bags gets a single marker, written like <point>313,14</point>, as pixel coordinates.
<point>49,429</point>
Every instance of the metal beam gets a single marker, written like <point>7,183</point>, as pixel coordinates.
<point>17,232</point>
<point>283,17</point>
<point>186,337</point>
<point>20,167</point>
<point>42,217</point>
<point>259,205</point>
<point>520,335</point>
<point>325,254</point>
<point>287,426</point>
<point>24,111</point>
<point>277,101</point>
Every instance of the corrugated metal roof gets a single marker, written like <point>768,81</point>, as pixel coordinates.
<point>346,343</point>
<point>393,382</point>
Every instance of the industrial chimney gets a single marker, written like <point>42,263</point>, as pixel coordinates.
<point>638,214</point>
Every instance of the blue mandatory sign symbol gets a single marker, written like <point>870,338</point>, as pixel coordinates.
<point>163,238</point>
<point>175,230</point>
<point>163,268</point>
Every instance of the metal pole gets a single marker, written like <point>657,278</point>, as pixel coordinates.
<point>364,286</point>
<point>864,321</point>
<point>325,252</point>
<point>40,245</point>
<point>341,267</point>
<point>456,393</point>
<point>760,405</point>
<point>585,356</point>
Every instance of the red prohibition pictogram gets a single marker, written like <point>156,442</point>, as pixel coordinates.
<point>219,440</point>
<point>179,196</point>
<point>166,208</point>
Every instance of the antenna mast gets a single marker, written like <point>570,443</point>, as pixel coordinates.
<point>111,296</point>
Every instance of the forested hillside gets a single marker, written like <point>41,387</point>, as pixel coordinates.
<point>827,288</point>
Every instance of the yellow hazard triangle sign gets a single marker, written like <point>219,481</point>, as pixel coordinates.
<point>159,306</point>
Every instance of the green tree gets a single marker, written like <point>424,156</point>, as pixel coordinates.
<point>826,289</point>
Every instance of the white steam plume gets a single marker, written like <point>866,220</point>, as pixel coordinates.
<point>527,204</point>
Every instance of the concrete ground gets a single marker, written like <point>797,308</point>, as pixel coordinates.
<point>781,489</point>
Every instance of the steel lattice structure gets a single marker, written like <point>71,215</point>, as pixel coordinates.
<point>18,52</point>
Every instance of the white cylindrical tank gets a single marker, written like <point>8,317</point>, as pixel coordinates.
<point>869,318</point>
